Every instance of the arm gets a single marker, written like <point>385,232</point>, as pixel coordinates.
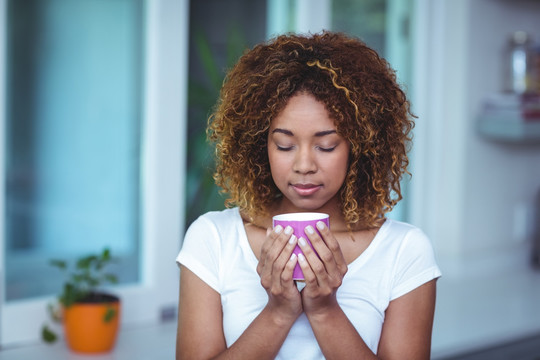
<point>200,328</point>
<point>408,324</point>
<point>406,332</point>
<point>337,337</point>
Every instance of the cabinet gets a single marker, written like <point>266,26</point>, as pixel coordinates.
<point>510,118</point>
<point>508,129</point>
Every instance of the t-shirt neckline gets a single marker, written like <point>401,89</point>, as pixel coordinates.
<point>356,263</point>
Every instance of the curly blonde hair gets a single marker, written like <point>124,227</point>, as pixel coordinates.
<point>361,94</point>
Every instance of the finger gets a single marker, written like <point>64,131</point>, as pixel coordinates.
<point>264,258</point>
<point>287,274</point>
<point>333,246</point>
<point>266,261</point>
<point>283,259</point>
<point>273,247</point>
<point>309,276</point>
<point>280,238</point>
<point>264,249</point>
<point>325,260</point>
<point>317,268</point>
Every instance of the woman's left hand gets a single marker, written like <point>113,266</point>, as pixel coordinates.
<point>323,274</point>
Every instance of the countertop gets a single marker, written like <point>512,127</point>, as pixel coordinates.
<point>471,313</point>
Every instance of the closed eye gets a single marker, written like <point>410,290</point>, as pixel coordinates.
<point>284,148</point>
<point>323,149</point>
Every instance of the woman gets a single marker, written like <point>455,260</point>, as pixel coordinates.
<point>308,123</point>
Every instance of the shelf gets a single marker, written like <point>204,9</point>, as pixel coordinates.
<point>509,130</point>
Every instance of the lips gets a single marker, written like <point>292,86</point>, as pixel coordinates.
<point>306,189</point>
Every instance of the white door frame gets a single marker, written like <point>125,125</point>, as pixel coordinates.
<point>439,61</point>
<point>3,31</point>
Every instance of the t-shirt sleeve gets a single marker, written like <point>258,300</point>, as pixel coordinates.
<point>415,264</point>
<point>200,252</point>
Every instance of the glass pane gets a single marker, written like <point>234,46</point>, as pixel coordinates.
<point>384,26</point>
<point>72,138</point>
<point>363,18</point>
<point>219,32</point>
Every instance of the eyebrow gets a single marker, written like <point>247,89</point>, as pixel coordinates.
<point>317,134</point>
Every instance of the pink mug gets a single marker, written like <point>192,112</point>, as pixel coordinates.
<point>299,221</point>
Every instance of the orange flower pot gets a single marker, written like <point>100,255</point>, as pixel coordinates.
<point>85,328</point>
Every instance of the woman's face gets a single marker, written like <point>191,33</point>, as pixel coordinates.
<point>308,159</point>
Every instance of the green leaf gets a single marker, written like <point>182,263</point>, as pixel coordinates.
<point>86,262</point>
<point>236,44</point>
<point>202,96</point>
<point>93,282</point>
<point>61,264</point>
<point>78,278</point>
<point>111,278</point>
<point>106,255</point>
<point>208,59</point>
<point>110,313</point>
<point>48,335</point>
<point>71,294</point>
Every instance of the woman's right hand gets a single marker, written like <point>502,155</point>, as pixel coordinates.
<point>276,265</point>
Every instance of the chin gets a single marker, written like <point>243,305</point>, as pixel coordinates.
<point>308,205</point>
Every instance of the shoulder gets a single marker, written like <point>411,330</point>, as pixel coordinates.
<point>214,226</point>
<point>413,258</point>
<point>400,227</point>
<point>212,232</point>
<point>399,233</point>
<point>217,219</point>
<point>405,241</point>
<point>403,231</point>
<point>208,240</point>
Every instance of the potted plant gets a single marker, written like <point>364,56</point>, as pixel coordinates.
<point>90,316</point>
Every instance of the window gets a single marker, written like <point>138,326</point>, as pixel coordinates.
<point>219,32</point>
<point>72,138</point>
<point>92,120</point>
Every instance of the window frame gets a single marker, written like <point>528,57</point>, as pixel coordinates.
<point>162,178</point>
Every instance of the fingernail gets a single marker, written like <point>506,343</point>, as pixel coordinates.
<point>292,240</point>
<point>293,257</point>
<point>302,241</point>
<point>288,230</point>
<point>310,230</point>
<point>278,229</point>
<point>320,225</point>
<point>301,257</point>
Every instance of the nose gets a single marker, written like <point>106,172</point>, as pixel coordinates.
<point>304,162</point>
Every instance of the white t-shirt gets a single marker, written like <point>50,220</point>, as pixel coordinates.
<point>399,259</point>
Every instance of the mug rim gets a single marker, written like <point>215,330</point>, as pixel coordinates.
<point>300,216</point>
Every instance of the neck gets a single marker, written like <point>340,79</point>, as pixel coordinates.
<point>337,219</point>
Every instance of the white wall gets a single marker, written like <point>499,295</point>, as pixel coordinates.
<point>501,180</point>
<point>469,193</point>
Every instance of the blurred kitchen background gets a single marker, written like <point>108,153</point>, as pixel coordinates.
<point>103,108</point>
